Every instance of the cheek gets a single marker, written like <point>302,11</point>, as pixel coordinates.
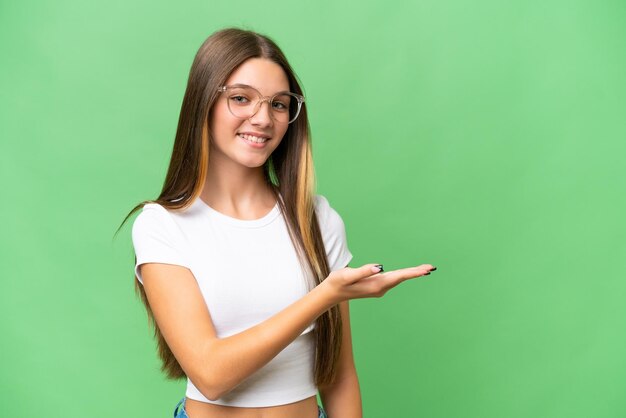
<point>282,132</point>
<point>221,121</point>
<point>282,139</point>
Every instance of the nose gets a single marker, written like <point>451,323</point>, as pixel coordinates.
<point>262,117</point>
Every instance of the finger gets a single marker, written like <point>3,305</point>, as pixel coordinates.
<point>397,276</point>
<point>422,269</point>
<point>356,274</point>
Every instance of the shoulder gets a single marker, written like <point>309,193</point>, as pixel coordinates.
<point>157,238</point>
<point>153,209</point>
<point>321,201</point>
<point>325,212</point>
<point>155,219</point>
<point>333,233</point>
<point>152,214</point>
<point>322,206</point>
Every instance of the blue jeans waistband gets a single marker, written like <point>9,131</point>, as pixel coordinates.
<point>180,412</point>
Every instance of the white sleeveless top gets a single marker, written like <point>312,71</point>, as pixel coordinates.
<point>247,271</point>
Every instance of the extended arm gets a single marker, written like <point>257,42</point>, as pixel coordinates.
<point>217,365</point>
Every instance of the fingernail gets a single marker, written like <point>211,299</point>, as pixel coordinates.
<point>433,269</point>
<point>380,267</point>
<point>427,274</point>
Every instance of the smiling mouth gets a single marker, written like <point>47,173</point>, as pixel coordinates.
<point>252,138</point>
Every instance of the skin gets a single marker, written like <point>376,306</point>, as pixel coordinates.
<point>235,184</point>
<point>236,187</point>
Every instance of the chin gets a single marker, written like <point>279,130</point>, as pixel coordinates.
<point>254,163</point>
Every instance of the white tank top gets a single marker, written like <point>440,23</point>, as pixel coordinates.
<point>247,271</point>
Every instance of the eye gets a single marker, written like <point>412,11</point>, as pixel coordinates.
<point>278,105</point>
<point>239,99</point>
<point>281,103</point>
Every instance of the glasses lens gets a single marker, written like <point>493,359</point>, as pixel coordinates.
<point>284,107</point>
<point>244,102</point>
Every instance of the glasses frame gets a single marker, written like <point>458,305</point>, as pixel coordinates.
<point>268,99</point>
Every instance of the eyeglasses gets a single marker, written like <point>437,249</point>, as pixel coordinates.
<point>245,101</point>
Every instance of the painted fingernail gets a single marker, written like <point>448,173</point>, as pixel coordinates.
<point>427,274</point>
<point>380,266</point>
<point>433,269</point>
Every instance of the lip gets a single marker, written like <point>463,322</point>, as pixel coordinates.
<point>257,134</point>
<point>254,144</point>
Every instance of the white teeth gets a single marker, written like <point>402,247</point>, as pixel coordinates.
<point>253,138</point>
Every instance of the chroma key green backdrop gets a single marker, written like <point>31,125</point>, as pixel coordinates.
<point>486,137</point>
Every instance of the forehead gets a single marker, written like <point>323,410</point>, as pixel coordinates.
<point>263,74</point>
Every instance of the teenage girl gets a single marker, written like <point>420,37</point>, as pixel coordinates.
<point>241,266</point>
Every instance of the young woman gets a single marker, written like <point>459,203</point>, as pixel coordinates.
<point>241,266</point>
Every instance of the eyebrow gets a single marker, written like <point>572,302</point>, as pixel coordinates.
<point>247,85</point>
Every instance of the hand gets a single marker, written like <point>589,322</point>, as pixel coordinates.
<point>368,281</point>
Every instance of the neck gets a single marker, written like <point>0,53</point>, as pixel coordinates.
<point>237,191</point>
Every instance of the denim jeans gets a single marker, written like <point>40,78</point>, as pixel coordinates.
<point>179,411</point>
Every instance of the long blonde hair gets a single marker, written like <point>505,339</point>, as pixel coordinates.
<point>289,171</point>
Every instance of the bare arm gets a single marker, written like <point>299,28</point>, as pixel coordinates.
<point>217,365</point>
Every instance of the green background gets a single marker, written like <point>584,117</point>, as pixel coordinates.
<point>485,137</point>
